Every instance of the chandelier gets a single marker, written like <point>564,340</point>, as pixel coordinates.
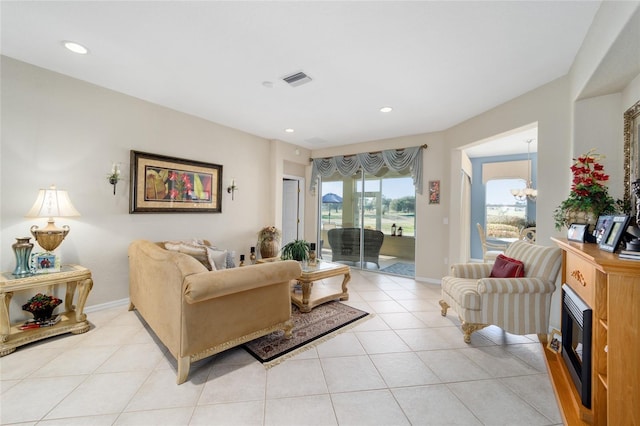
<point>528,192</point>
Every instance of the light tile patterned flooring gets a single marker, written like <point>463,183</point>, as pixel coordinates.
<point>406,365</point>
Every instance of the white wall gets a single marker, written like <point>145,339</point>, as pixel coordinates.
<point>56,129</point>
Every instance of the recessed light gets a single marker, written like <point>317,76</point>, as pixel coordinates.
<point>75,47</point>
<point>386,109</point>
<point>289,130</point>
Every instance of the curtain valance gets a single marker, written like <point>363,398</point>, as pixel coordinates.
<point>371,162</point>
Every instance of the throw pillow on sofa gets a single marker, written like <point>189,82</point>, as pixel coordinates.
<point>198,252</point>
<point>507,267</point>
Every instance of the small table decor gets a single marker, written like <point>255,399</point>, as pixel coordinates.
<point>41,306</point>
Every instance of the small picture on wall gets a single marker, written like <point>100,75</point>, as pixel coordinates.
<point>434,192</point>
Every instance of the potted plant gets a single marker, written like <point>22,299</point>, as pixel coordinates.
<point>269,241</point>
<point>296,250</point>
<point>589,197</point>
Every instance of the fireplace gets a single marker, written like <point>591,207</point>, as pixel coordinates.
<point>576,341</point>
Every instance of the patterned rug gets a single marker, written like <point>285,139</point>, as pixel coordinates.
<point>399,268</point>
<point>309,329</point>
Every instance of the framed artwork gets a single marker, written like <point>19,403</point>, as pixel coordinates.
<point>161,184</point>
<point>434,192</point>
<point>631,155</point>
<point>577,232</point>
<point>615,229</point>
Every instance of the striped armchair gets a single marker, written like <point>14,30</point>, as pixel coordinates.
<point>517,305</point>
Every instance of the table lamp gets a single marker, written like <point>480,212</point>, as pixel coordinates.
<point>51,203</point>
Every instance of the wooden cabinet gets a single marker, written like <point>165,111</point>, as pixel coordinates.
<point>73,320</point>
<point>611,287</point>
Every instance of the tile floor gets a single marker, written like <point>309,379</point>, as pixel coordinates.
<point>406,365</point>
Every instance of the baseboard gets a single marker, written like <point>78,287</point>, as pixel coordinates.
<point>429,280</point>
<point>108,305</point>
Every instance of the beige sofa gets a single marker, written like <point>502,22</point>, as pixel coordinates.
<point>197,313</point>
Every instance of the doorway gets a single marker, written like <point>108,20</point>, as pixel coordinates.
<point>292,209</point>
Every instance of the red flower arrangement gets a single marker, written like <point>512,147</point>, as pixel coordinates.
<point>41,306</point>
<point>588,190</point>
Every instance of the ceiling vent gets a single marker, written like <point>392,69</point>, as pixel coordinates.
<point>297,79</point>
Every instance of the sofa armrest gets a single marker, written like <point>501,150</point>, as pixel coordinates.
<point>212,284</point>
<point>515,285</point>
<point>471,270</point>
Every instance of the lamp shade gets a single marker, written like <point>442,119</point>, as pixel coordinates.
<point>51,203</point>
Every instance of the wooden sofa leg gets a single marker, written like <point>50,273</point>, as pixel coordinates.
<point>468,328</point>
<point>288,330</point>
<point>444,306</point>
<point>183,369</point>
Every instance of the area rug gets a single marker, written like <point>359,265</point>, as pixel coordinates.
<point>309,330</point>
<point>399,268</point>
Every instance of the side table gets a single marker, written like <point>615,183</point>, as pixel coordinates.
<point>73,320</point>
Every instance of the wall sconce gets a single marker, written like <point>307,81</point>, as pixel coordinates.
<point>114,176</point>
<point>231,189</point>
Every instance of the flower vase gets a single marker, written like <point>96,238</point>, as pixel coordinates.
<point>43,314</point>
<point>583,217</point>
<point>269,248</point>
<point>22,249</point>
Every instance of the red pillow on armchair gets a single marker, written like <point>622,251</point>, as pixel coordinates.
<point>506,267</point>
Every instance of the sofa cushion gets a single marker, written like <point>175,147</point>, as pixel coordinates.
<point>218,258</point>
<point>199,252</point>
<point>507,267</point>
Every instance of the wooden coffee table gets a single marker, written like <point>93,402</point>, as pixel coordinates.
<point>301,290</point>
<point>311,296</point>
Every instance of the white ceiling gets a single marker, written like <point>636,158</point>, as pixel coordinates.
<point>437,63</point>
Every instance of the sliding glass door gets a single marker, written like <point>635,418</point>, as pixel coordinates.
<point>368,221</point>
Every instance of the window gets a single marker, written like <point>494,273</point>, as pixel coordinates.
<point>371,202</point>
<point>505,216</point>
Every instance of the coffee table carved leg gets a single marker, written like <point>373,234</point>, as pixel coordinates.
<point>306,295</point>
<point>5,322</point>
<point>345,281</point>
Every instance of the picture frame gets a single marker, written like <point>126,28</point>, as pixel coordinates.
<point>613,233</point>
<point>434,192</point>
<point>163,184</point>
<point>601,227</point>
<point>577,232</point>
<point>554,341</point>
<point>44,263</point>
<point>631,152</point>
